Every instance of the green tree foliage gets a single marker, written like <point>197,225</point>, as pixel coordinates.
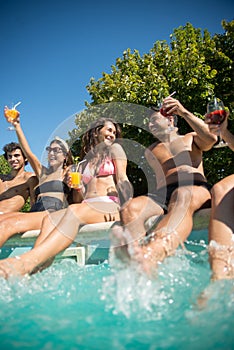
<point>195,64</point>
<point>4,167</point>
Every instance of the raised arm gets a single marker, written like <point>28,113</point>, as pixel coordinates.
<point>229,138</point>
<point>33,160</point>
<point>203,138</point>
<point>124,187</point>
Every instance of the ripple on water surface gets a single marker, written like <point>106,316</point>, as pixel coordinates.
<point>96,307</point>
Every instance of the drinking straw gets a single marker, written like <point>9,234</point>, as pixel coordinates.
<point>173,93</point>
<point>17,104</point>
<point>79,164</point>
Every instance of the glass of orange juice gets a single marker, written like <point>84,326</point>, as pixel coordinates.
<point>76,177</point>
<point>11,114</point>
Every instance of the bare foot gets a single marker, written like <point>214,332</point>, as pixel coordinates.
<point>129,251</point>
<point>146,257</point>
<point>12,267</point>
<point>119,244</point>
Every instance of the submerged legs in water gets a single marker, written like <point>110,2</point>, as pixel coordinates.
<point>221,229</point>
<point>146,253</point>
<point>47,245</point>
<point>171,231</point>
<point>58,231</point>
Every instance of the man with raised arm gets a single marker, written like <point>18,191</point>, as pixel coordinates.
<point>221,226</point>
<point>181,190</point>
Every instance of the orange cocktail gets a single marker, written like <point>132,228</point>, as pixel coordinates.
<point>76,177</point>
<point>11,113</point>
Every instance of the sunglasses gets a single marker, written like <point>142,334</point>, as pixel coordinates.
<point>54,149</point>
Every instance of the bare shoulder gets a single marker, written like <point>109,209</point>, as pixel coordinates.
<point>116,146</point>
<point>151,147</point>
<point>190,134</point>
<point>31,179</point>
<point>28,175</point>
<point>190,137</point>
<point>117,150</point>
<point>195,143</point>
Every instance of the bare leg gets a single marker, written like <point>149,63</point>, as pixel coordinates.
<point>19,222</point>
<point>184,201</point>
<point>61,236</point>
<point>124,240</point>
<point>4,216</point>
<point>50,221</point>
<point>126,250</point>
<point>135,214</point>
<point>119,244</point>
<point>221,229</point>
<point>171,231</point>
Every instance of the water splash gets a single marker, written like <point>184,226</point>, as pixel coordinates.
<point>68,306</point>
<point>132,293</point>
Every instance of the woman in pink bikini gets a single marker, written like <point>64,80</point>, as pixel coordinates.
<point>105,185</point>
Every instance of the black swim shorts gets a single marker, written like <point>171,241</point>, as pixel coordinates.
<point>163,195</point>
<point>47,203</point>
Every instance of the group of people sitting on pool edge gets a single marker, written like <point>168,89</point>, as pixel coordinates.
<point>107,195</point>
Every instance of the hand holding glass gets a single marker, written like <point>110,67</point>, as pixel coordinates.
<point>11,115</point>
<point>217,114</point>
<point>164,110</point>
<point>76,177</point>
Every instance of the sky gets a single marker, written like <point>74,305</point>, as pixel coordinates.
<point>50,49</point>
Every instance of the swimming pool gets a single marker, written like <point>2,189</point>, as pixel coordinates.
<point>95,307</point>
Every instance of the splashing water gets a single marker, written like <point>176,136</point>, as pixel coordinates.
<point>99,307</point>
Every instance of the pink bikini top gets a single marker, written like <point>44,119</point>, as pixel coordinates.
<point>106,168</point>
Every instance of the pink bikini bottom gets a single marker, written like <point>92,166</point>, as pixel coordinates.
<point>106,199</point>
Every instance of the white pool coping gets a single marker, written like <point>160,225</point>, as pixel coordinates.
<point>93,237</point>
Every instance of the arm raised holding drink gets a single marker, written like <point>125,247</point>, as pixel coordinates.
<point>52,192</point>
<point>221,226</point>
<point>217,115</point>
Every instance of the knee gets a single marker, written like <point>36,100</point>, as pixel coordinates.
<point>132,209</point>
<point>46,220</point>
<point>218,192</point>
<point>190,198</point>
<point>9,225</point>
<point>182,197</point>
<point>71,208</point>
<point>77,212</point>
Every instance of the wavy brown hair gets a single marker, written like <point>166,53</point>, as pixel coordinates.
<point>89,149</point>
<point>89,139</point>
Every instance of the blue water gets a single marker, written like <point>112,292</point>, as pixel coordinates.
<point>97,307</point>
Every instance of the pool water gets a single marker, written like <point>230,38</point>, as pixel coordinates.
<point>98,307</point>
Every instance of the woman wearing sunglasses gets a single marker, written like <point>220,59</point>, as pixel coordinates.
<point>52,192</point>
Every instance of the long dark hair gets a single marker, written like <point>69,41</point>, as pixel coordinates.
<point>89,149</point>
<point>90,140</point>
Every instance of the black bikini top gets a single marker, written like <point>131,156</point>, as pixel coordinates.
<point>52,186</point>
